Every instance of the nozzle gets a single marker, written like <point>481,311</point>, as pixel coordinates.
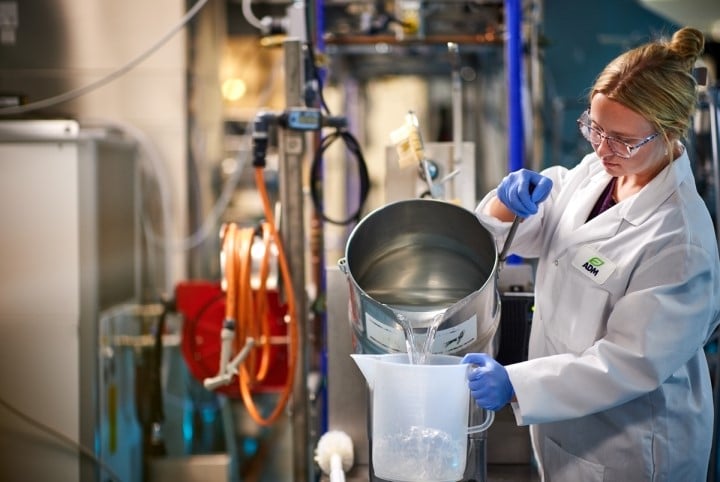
<point>261,127</point>
<point>228,370</point>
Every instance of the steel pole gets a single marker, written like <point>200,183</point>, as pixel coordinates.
<point>292,227</point>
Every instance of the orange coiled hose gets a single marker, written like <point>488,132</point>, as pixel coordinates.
<point>261,310</point>
<point>230,277</point>
<point>249,307</point>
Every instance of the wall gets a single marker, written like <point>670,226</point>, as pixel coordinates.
<point>581,38</point>
<point>62,45</point>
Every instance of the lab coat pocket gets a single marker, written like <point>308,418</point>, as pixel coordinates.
<point>585,322</point>
<point>562,466</point>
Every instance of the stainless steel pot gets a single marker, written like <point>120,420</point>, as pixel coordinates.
<point>419,259</point>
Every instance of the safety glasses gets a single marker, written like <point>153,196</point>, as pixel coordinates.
<point>618,147</point>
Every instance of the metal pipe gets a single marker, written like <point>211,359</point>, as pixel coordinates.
<point>489,37</point>
<point>292,227</point>
<point>509,239</point>
<point>457,112</point>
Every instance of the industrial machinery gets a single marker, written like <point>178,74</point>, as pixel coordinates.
<point>70,253</point>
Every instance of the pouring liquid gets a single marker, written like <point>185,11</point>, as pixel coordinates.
<point>419,347</point>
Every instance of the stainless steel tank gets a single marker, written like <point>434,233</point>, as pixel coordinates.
<point>416,260</point>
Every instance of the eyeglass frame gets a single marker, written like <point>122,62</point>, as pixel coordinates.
<point>585,122</point>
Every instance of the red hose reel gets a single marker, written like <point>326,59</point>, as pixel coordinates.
<point>202,304</point>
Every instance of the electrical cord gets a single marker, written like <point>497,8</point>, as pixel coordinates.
<point>316,176</point>
<point>155,413</point>
<point>60,436</point>
<point>351,142</point>
<point>312,59</point>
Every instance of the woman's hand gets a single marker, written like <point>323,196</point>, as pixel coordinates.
<point>488,382</point>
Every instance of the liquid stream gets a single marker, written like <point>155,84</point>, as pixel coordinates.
<point>418,348</point>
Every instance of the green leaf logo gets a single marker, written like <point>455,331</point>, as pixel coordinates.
<point>595,261</point>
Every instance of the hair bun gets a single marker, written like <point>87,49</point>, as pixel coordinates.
<point>688,43</point>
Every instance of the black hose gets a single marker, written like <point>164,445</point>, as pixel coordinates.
<point>316,176</point>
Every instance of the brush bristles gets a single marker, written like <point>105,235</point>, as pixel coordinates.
<point>334,442</point>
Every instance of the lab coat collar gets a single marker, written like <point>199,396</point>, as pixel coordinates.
<point>634,210</point>
<point>573,222</point>
<point>643,204</point>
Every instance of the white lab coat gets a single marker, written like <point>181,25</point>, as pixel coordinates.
<point>617,385</point>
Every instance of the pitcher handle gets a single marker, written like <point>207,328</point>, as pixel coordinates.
<point>489,418</point>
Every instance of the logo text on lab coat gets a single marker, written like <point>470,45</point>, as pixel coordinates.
<point>593,265</point>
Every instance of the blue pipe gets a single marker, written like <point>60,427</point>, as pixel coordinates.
<point>320,47</point>
<point>513,59</point>
<point>319,25</point>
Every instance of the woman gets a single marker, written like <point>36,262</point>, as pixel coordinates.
<point>617,385</point>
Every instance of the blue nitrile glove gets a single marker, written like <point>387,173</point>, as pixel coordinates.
<point>522,190</point>
<point>489,382</point>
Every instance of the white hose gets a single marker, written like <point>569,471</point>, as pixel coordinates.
<point>250,16</point>
<point>158,167</point>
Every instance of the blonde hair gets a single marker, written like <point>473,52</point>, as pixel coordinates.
<point>656,81</point>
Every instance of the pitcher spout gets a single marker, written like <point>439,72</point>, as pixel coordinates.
<point>367,365</point>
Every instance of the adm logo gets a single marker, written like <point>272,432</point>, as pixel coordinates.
<point>592,265</point>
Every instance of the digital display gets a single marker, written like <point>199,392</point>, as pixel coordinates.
<point>304,119</point>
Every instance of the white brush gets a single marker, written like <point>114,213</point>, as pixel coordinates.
<point>334,454</point>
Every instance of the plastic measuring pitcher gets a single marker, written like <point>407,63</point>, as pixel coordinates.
<point>419,417</point>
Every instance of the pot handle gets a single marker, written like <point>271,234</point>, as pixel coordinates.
<point>342,264</point>
<point>489,418</point>
<point>509,239</point>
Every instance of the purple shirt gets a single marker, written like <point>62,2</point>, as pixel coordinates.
<point>605,201</point>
